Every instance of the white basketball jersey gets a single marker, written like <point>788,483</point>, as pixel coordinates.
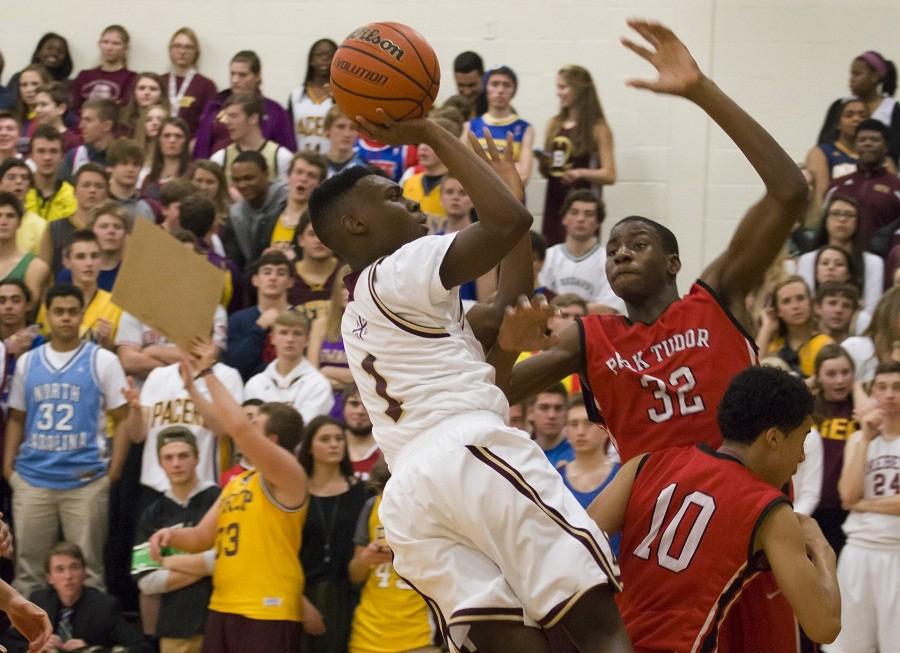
<point>411,351</point>
<point>882,480</point>
<point>309,121</point>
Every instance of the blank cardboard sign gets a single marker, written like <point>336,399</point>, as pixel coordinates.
<point>167,286</point>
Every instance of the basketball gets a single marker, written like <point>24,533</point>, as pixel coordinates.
<point>385,65</point>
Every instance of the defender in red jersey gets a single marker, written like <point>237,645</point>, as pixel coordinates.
<point>698,525</point>
<point>654,388</point>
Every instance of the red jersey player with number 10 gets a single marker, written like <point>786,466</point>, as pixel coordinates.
<point>658,373</point>
<point>697,522</point>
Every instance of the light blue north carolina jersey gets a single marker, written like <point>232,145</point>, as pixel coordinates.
<point>63,440</point>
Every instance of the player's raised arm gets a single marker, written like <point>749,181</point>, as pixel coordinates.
<point>767,224</point>
<point>283,474</point>
<point>806,570</point>
<point>502,218</point>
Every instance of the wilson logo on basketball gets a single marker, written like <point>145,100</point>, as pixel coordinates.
<point>367,35</point>
<point>359,71</point>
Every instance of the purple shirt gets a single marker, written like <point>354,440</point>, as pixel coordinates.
<point>95,83</point>
<point>198,94</point>
<point>212,135</point>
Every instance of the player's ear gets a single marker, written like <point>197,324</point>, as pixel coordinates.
<point>352,224</point>
<point>674,264</point>
<point>773,437</point>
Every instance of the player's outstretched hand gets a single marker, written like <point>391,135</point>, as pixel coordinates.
<point>524,326</point>
<point>503,164</point>
<point>679,74</point>
<point>31,621</point>
<point>394,132</point>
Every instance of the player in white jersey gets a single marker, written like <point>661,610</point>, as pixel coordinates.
<point>473,508</point>
<point>869,566</point>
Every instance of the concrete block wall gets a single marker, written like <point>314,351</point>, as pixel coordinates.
<point>783,60</point>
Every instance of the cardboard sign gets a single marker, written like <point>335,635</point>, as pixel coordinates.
<point>166,285</point>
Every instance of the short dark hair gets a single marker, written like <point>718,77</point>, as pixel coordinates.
<point>584,195</point>
<point>669,241</point>
<point>48,133</point>
<point>538,245</point>
<point>252,402</point>
<point>467,62</point>
<point>65,549</point>
<point>20,284</point>
<point>57,91</point>
<point>78,236</point>
<point>5,114</point>
<point>107,110</point>
<point>761,398</point>
<point>252,156</point>
<point>12,162</point>
<point>304,455</point>
<point>250,58</point>
<point>96,168</point>
<point>887,367</point>
<point>305,221</point>
<point>197,214</point>
<point>555,389</point>
<point>872,125</point>
<point>177,190</point>
<point>124,150</point>
<point>505,71</point>
<point>270,258</point>
<point>576,401</point>
<point>8,199</point>
<point>328,197</point>
<point>313,159</point>
<point>837,289</point>
<point>63,290</point>
<point>250,103</point>
<point>284,422</point>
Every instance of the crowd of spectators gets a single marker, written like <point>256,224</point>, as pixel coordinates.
<point>104,442</point>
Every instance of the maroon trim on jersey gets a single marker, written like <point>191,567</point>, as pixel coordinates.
<point>405,325</point>
<point>562,608</point>
<point>435,610</point>
<point>728,313</point>
<point>751,554</point>
<point>515,478</point>
<point>476,615</point>
<point>350,282</point>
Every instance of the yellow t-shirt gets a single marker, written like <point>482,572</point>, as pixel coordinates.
<point>101,306</point>
<point>258,573</point>
<point>806,353</point>
<point>282,234</point>
<point>391,616</point>
<point>29,233</point>
<point>414,189</point>
<point>61,204</point>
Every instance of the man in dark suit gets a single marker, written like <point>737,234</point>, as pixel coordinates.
<point>81,616</point>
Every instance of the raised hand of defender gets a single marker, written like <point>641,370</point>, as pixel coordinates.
<point>524,326</point>
<point>503,164</point>
<point>393,132</point>
<point>679,74</point>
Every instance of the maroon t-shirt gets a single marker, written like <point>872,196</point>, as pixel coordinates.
<point>94,84</point>
<point>878,194</point>
<point>835,427</point>
<point>200,91</point>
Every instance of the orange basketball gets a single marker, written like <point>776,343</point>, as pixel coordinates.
<point>385,65</point>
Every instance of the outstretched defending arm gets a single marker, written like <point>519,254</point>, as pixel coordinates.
<point>502,218</point>
<point>767,224</point>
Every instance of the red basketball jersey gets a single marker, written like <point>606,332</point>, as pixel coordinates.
<point>658,385</point>
<point>687,547</point>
